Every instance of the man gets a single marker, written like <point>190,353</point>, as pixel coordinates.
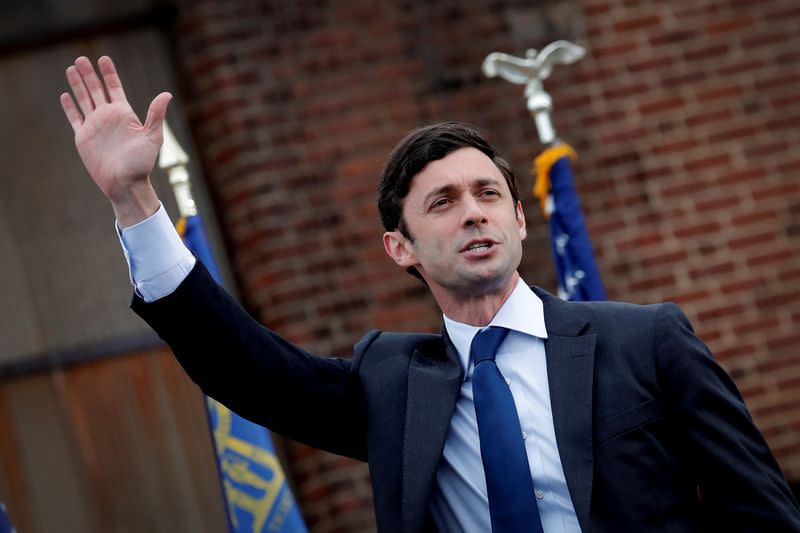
<point>526,414</point>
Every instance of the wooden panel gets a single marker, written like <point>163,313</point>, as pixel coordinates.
<point>63,277</point>
<point>116,445</point>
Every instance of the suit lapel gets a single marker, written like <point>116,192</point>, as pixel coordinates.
<point>570,372</point>
<point>434,381</point>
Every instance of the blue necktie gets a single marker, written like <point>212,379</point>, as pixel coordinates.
<point>512,502</point>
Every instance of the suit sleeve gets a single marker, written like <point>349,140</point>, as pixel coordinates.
<point>256,373</point>
<point>740,482</point>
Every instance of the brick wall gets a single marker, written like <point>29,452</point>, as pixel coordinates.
<point>684,116</point>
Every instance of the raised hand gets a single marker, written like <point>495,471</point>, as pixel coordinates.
<point>117,149</point>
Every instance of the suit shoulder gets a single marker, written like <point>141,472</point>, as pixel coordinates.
<point>392,342</point>
<point>624,315</point>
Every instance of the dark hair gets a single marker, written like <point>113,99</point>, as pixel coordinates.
<point>419,148</point>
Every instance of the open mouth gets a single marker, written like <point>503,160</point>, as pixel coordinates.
<point>479,247</point>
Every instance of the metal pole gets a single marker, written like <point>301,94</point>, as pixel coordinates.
<point>173,160</point>
<point>531,71</point>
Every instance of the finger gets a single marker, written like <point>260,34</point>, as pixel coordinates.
<point>111,79</point>
<point>73,115</point>
<point>79,90</point>
<point>92,82</point>
<point>157,111</point>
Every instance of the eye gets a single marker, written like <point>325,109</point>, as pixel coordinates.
<point>490,192</point>
<point>440,202</point>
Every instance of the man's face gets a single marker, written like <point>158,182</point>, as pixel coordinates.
<point>467,230</point>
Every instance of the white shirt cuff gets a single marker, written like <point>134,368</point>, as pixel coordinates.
<point>158,261</point>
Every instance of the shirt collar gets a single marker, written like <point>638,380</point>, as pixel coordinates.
<point>523,312</point>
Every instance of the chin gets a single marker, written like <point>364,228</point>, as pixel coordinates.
<point>486,282</point>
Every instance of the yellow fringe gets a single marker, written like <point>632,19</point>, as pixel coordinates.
<point>181,226</point>
<point>541,169</point>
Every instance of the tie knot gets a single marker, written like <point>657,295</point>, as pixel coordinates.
<point>485,344</point>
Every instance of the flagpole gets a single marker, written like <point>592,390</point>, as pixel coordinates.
<point>531,71</point>
<point>173,159</point>
<point>576,268</point>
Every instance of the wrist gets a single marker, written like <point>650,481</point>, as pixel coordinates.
<point>135,204</point>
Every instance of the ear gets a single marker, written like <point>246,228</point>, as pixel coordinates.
<point>399,248</point>
<point>523,231</point>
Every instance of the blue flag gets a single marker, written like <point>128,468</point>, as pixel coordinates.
<point>5,523</point>
<point>578,276</point>
<point>258,497</point>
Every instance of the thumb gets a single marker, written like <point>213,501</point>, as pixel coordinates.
<point>156,113</point>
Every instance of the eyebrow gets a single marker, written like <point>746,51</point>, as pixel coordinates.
<point>450,189</point>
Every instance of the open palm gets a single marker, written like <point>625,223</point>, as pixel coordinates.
<point>117,149</point>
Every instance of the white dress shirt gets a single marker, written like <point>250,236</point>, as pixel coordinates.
<point>459,500</point>
<point>158,262</point>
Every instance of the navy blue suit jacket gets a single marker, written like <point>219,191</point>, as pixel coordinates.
<point>653,434</point>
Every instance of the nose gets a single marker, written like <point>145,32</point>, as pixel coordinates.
<point>474,214</point>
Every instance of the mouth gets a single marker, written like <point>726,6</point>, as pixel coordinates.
<point>477,247</point>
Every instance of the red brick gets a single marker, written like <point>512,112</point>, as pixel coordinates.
<point>625,135</point>
<point>752,240</point>
<point>748,285</point>
<point>767,149</point>
<point>651,63</point>
<point>674,146</point>
<point>789,167</point>
<point>771,257</point>
<point>702,163</point>
<point>745,66</point>
<point>596,9</point>
<point>711,270</point>
<point>769,191</point>
<point>713,51</point>
<point>719,93</point>
<point>733,133</point>
<point>660,106</point>
<point>604,117</point>
<point>776,299</point>
<point>622,48</point>
<point>708,117</point>
<point>720,202</point>
<point>786,79</point>
<point>785,101</point>
<point>766,39</point>
<point>691,78</point>
<point>672,37</point>
<point>786,121</point>
<point>777,343</point>
<point>741,176</point>
<point>689,297</point>
<point>789,275</point>
<point>640,241</point>
<point>754,218</point>
<point>652,283</point>
<point>637,23</point>
<point>725,26</point>
<point>593,73</point>
<point>602,228</point>
<point>787,57</point>
<point>782,15</point>
<point>666,258</point>
<point>682,189</point>
<point>726,311</point>
<point>626,91</point>
<point>756,326</point>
